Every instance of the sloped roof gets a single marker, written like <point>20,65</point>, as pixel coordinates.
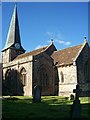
<point>66,56</point>
<point>62,57</point>
<point>32,53</point>
<point>48,49</point>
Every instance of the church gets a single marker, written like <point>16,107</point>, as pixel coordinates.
<point>57,72</point>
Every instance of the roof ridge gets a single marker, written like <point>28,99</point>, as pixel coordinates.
<point>38,49</point>
<point>85,42</point>
<point>71,47</point>
<point>33,52</point>
<point>50,45</point>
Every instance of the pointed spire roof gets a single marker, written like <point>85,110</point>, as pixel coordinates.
<point>13,33</point>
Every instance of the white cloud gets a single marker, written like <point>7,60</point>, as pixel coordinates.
<point>67,43</point>
<point>39,46</point>
<point>57,38</point>
<point>50,34</point>
<point>49,41</point>
<point>62,42</point>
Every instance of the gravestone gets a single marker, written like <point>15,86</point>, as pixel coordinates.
<point>71,97</point>
<point>76,106</point>
<point>37,94</point>
<point>77,91</point>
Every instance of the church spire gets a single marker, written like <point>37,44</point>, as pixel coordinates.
<point>13,33</point>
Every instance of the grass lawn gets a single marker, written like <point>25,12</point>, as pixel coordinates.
<point>51,108</point>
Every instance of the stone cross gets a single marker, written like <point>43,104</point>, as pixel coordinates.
<point>76,106</point>
<point>77,91</point>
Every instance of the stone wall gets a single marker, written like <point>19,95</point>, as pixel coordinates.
<point>10,54</point>
<point>83,80</point>
<point>81,61</point>
<point>17,65</point>
<point>5,56</point>
<point>70,80</point>
<point>44,61</point>
<point>61,80</point>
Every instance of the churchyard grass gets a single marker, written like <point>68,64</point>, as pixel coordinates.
<point>51,107</point>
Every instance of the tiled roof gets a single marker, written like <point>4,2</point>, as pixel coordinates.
<point>61,57</point>
<point>32,53</point>
<point>66,56</point>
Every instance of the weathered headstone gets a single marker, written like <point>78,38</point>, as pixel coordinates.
<point>76,106</point>
<point>71,97</point>
<point>37,94</point>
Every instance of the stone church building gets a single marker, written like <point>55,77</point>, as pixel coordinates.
<point>56,71</point>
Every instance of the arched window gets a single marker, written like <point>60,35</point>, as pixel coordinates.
<point>7,82</point>
<point>44,77</point>
<point>8,74</point>
<point>87,71</point>
<point>23,76</point>
<point>61,77</point>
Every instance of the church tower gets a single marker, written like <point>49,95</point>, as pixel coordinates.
<point>13,46</point>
